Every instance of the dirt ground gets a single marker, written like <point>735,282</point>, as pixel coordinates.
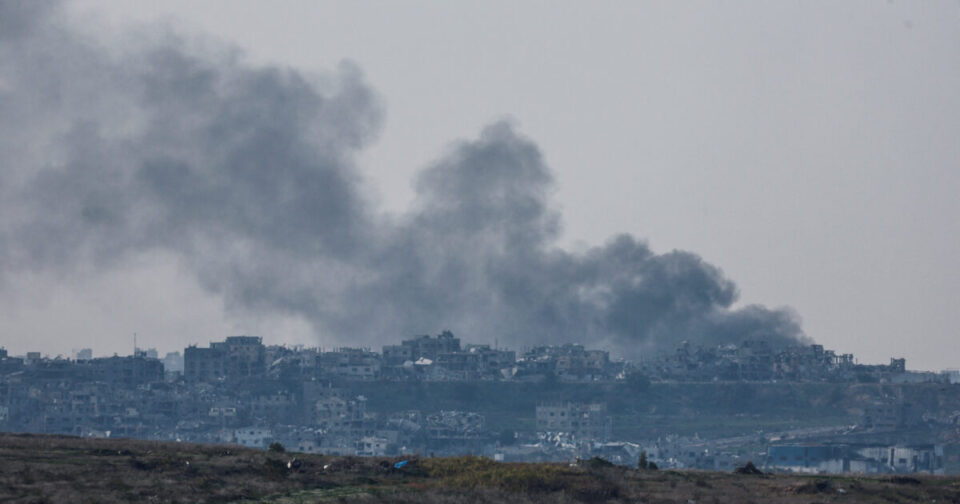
<point>60,469</point>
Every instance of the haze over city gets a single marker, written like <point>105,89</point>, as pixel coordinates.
<point>524,173</point>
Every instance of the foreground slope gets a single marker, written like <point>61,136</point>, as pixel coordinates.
<point>35,469</point>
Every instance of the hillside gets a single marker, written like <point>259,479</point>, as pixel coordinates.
<point>54,469</point>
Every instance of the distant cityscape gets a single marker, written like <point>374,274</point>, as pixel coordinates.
<point>798,408</point>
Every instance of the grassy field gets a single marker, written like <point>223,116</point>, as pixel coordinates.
<point>53,469</point>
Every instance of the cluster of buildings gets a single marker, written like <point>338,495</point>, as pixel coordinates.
<point>242,391</point>
<point>443,358</point>
<point>422,358</point>
<point>816,458</point>
<point>245,392</point>
<point>756,360</point>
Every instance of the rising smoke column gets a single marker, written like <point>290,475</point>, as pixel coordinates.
<point>479,252</point>
<point>247,174</point>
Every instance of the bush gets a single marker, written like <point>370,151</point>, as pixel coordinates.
<point>143,465</point>
<point>273,468</point>
<point>644,464</point>
<point>749,469</point>
<point>598,463</point>
<point>277,447</point>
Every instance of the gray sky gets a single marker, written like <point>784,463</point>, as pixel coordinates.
<point>811,150</point>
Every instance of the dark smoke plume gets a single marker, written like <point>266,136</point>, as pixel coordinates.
<point>247,174</point>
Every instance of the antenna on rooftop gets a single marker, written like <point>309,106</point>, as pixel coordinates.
<point>134,344</point>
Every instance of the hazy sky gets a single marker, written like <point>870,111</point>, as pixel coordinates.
<point>811,150</point>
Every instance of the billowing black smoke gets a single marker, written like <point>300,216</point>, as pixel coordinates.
<point>247,174</point>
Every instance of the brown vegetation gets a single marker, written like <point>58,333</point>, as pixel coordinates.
<point>54,469</point>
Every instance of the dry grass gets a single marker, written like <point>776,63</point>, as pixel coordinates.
<point>55,469</point>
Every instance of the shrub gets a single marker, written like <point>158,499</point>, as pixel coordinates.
<point>598,463</point>
<point>818,486</point>
<point>276,447</point>
<point>274,468</point>
<point>143,465</point>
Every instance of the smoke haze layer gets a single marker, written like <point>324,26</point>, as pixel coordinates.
<point>247,174</point>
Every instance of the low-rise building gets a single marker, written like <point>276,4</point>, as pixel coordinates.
<point>350,363</point>
<point>421,347</point>
<point>253,437</point>
<point>586,422</point>
<point>863,459</point>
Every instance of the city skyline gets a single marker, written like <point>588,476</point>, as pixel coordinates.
<point>386,351</point>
